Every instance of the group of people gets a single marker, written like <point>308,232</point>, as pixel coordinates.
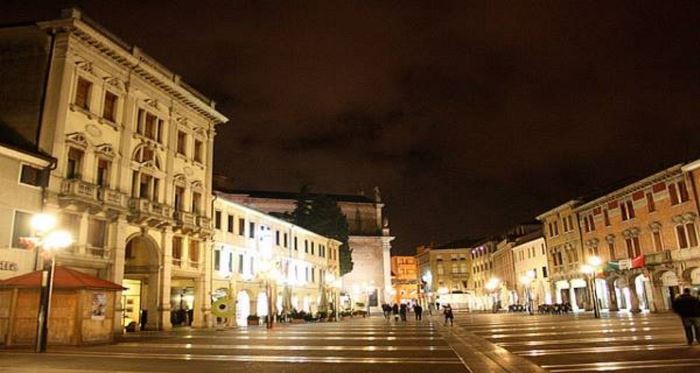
<point>400,311</point>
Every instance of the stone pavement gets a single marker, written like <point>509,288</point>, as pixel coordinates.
<point>580,343</point>
<point>356,345</point>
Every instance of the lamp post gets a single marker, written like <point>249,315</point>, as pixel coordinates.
<point>48,240</point>
<point>527,282</point>
<point>590,270</point>
<point>491,286</point>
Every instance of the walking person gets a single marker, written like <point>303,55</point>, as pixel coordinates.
<point>395,311</point>
<point>688,308</point>
<point>449,316</point>
<point>402,311</point>
<point>419,311</point>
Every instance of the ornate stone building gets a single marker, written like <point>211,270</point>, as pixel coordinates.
<point>565,255</point>
<point>252,247</point>
<point>132,181</point>
<point>404,279</point>
<point>530,255</point>
<point>370,239</point>
<point>446,272</point>
<point>647,233</point>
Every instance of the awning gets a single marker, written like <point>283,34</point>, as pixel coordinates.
<point>64,278</point>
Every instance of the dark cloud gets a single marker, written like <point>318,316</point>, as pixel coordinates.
<point>470,116</point>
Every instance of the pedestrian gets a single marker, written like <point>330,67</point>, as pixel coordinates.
<point>430,308</point>
<point>688,308</point>
<point>419,311</point>
<point>402,311</point>
<point>448,314</point>
<point>395,311</point>
<point>387,311</point>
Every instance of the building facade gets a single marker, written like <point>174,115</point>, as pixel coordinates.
<point>646,232</point>
<point>22,176</point>
<point>404,279</point>
<point>370,240</point>
<point>132,181</point>
<point>482,272</point>
<point>504,271</point>
<point>445,273</point>
<point>252,247</point>
<point>530,258</point>
<point>565,255</point>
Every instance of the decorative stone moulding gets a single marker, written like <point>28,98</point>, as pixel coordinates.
<point>85,66</point>
<point>106,150</point>
<point>93,130</point>
<point>655,226</point>
<point>77,138</point>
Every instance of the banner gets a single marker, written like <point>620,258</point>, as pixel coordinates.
<point>624,264</point>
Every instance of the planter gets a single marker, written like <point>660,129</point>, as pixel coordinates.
<point>297,321</point>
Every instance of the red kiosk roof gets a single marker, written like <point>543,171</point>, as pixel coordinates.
<point>64,278</point>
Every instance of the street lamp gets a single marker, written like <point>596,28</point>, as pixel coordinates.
<point>491,286</point>
<point>48,240</point>
<point>527,282</point>
<point>590,269</point>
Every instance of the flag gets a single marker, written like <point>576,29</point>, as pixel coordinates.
<point>638,262</point>
<point>612,265</point>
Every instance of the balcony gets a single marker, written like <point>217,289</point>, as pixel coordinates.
<point>153,213</point>
<point>78,192</point>
<point>186,221</point>
<point>679,255</point>
<point>658,258</point>
<point>113,199</point>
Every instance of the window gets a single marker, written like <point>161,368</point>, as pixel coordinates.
<point>229,226</point>
<point>71,223</point>
<point>286,240</point>
<point>241,226</point>
<point>22,227</point>
<point>633,249</point>
<point>306,246</point>
<point>181,143</point>
<point>606,218</point>
<point>102,177</point>
<point>179,198</point>
<point>177,248</point>
<point>196,203</point>
<point>556,228</point>
<point>109,110</point>
<point>147,186</point>
<point>588,223</point>
<point>251,230</point>
<point>74,165</point>
<point>627,210</point>
<point>656,236</point>
<point>687,236</point>
<point>312,248</point>
<point>651,206</point>
<point>544,272</point>
<point>97,233</point>
<point>678,192</point>
<point>296,244</point>
<point>198,151</point>
<point>277,238</point>
<point>217,260</point>
<point>31,175</point>
<point>230,262</point>
<point>217,219</point>
<point>149,125</point>
<point>82,93</point>
<point>240,263</point>
<point>611,249</point>
<point>194,251</point>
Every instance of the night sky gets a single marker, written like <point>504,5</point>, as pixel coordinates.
<point>470,116</point>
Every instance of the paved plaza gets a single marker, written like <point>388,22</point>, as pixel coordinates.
<point>479,342</point>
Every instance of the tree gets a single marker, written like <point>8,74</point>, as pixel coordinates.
<point>321,214</point>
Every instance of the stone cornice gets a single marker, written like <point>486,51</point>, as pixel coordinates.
<point>664,175</point>
<point>133,58</point>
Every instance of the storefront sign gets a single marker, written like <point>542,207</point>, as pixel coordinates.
<point>8,266</point>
